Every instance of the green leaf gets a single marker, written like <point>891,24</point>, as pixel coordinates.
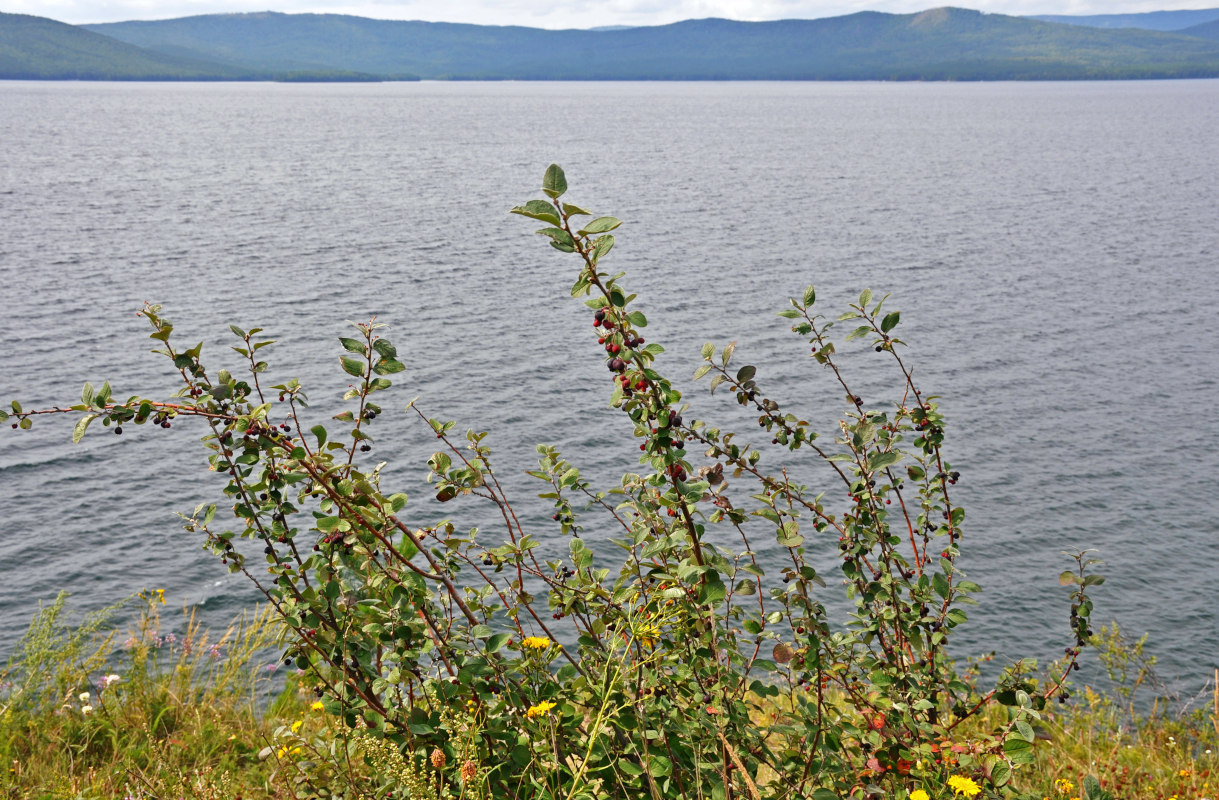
<point>890,321</point>
<point>554,182</point>
<point>659,766</point>
<point>708,351</point>
<point>352,366</point>
<point>572,210</point>
<point>320,433</point>
<point>238,332</point>
<point>712,592</point>
<point>1018,750</point>
<point>629,767</point>
<point>862,330</point>
<point>481,631</point>
<point>728,351</point>
<point>388,366</point>
<point>810,296</point>
<point>701,371</point>
<point>385,349</point>
<point>865,297</point>
<point>497,642</point>
<point>602,246</point>
<point>539,210</point>
<point>881,460</point>
<point>824,794</point>
<point>82,424</point>
<point>353,345</point>
<point>746,373</point>
<point>558,234</point>
<point>789,534</point>
<point>600,225</point>
<point>86,395</point>
<point>638,319</point>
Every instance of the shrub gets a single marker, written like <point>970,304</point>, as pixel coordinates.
<point>451,666</point>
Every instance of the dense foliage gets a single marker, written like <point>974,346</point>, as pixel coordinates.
<point>662,658</point>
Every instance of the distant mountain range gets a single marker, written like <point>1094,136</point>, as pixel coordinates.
<point>1148,21</point>
<point>939,44</point>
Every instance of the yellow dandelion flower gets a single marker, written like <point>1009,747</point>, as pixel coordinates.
<point>317,706</point>
<point>296,726</point>
<point>161,596</point>
<point>918,794</point>
<point>536,642</point>
<point>1063,786</point>
<point>540,710</point>
<point>961,785</point>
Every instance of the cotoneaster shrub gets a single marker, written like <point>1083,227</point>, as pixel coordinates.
<point>457,663</point>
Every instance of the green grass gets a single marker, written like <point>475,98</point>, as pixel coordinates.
<point>200,716</point>
<point>187,716</point>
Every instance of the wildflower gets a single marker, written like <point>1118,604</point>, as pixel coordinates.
<point>1183,773</point>
<point>540,710</point>
<point>86,710</point>
<point>1063,786</point>
<point>296,726</point>
<point>83,697</point>
<point>438,758</point>
<point>161,596</point>
<point>536,642</point>
<point>107,681</point>
<point>469,771</point>
<point>317,706</point>
<point>961,785</point>
<point>918,794</point>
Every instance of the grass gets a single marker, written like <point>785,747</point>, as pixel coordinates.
<point>89,712</point>
<point>86,713</point>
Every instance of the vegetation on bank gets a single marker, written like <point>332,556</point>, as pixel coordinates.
<point>661,657</point>
<point>91,710</point>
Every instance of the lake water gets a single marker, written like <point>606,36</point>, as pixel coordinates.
<point>1053,248</point>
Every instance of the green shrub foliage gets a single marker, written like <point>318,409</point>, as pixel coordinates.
<point>456,666</point>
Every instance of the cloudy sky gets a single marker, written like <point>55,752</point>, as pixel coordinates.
<point>564,13</point>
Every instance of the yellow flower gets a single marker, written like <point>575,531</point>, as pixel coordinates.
<point>536,642</point>
<point>296,726</point>
<point>161,596</point>
<point>961,785</point>
<point>918,794</point>
<point>1063,786</point>
<point>317,706</point>
<point>540,710</point>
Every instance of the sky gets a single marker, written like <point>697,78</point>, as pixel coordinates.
<point>565,13</point>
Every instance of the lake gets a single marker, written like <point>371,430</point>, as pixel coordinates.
<point>1053,249</point>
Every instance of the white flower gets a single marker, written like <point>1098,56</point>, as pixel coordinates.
<point>108,681</point>
<point>86,710</point>
<point>83,697</point>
